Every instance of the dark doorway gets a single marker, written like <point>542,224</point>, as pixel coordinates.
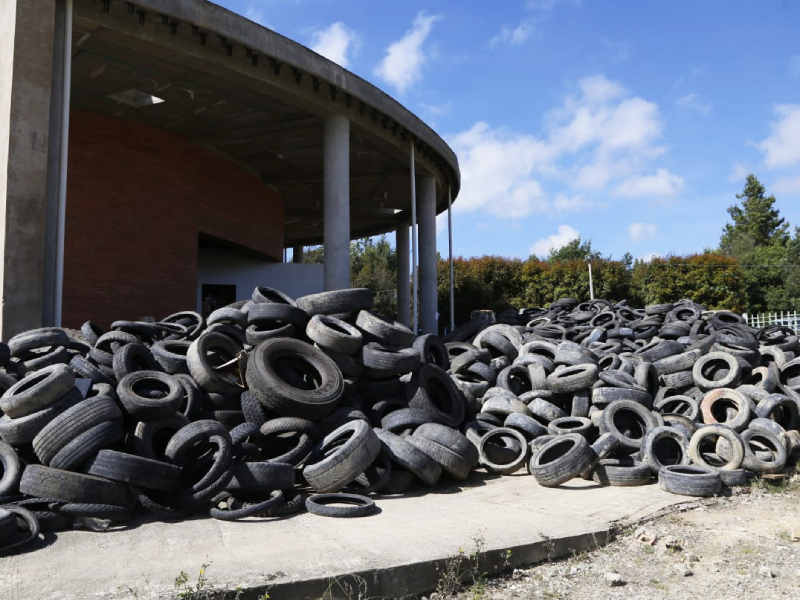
<point>215,296</point>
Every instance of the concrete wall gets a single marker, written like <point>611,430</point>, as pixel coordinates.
<point>137,199</point>
<point>221,266</point>
<point>26,57</point>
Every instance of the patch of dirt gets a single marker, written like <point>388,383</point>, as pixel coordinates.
<point>743,546</point>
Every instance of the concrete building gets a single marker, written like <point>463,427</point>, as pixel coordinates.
<point>158,153</point>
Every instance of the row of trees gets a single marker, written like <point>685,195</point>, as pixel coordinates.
<point>755,268</point>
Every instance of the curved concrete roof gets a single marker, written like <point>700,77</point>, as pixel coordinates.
<point>259,99</point>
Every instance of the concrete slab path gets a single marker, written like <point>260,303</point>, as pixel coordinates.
<point>394,553</point>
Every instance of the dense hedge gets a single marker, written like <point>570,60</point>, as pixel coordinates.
<point>497,283</point>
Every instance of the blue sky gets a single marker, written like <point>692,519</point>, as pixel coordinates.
<point>630,123</point>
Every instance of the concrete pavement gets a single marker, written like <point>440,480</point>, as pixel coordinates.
<point>394,553</point>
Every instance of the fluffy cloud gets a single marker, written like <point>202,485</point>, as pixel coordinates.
<point>335,42</point>
<point>641,231</point>
<point>565,235</point>
<point>693,102</point>
<point>402,65</point>
<point>787,185</point>
<point>598,137</point>
<point>738,173</point>
<point>650,256</point>
<point>782,148</point>
<point>662,184</point>
<point>513,35</point>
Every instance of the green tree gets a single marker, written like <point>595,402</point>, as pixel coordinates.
<point>759,239</point>
<point>755,223</point>
<point>574,250</point>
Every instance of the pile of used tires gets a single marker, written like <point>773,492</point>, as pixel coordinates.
<point>274,406</point>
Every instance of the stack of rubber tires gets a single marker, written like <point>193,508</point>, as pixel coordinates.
<point>273,406</point>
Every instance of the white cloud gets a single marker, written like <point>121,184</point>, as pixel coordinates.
<point>513,36</point>
<point>600,136</point>
<point>693,102</point>
<point>256,15</point>
<point>565,235</point>
<point>738,173</point>
<point>782,148</point>
<point>787,185</point>
<point>335,42</point>
<point>638,232</point>
<point>402,65</point>
<point>794,66</point>
<point>662,184</point>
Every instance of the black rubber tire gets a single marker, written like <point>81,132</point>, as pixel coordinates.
<point>261,477</point>
<point>22,430</point>
<point>81,448</point>
<point>92,331</point>
<point>374,478</point>
<point>71,423</point>
<point>252,409</point>
<point>449,438</point>
<point>289,425</point>
<point>665,446</point>
<point>263,294</point>
<point>382,362</point>
<point>733,439</point>
<point>132,358</point>
<point>133,389</point>
<point>779,408</point>
<point>172,355</point>
<point>265,381</point>
<point>516,459</point>
<point>451,462</point>
<point>37,391</point>
<point>179,448</point>
<point>603,396</point>
<point>718,404</point>
<point>753,463</point>
<point>134,470</point>
<point>227,315</point>
<point>147,434</point>
<point>544,411</point>
<point>690,480</point>
<point>409,457</point>
<point>190,320</point>
<point>330,467</point>
<point>359,506</point>
<point>386,331</point>
<point>44,337</point>
<point>334,334</point>
<point>701,368</point>
<point>404,419</point>
<point>33,528</point>
<point>621,472</point>
<point>602,448</point>
<point>431,349</point>
<point>248,510</point>
<point>635,420</point>
<point>44,482</point>
<point>680,405</point>
<point>733,478</point>
<point>561,459</point>
<point>526,425</point>
<point>11,470</point>
<point>580,425</point>
<point>201,367</point>
<point>433,390</point>
<point>337,301</point>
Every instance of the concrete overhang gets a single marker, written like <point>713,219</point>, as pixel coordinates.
<point>258,99</point>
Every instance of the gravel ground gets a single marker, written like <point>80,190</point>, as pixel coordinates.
<point>743,546</point>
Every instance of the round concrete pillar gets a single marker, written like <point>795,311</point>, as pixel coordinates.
<point>336,210</point>
<point>403,292</point>
<point>297,254</point>
<point>426,212</point>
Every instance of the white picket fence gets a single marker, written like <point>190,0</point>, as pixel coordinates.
<point>788,318</point>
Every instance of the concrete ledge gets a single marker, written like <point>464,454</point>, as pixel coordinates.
<point>399,551</point>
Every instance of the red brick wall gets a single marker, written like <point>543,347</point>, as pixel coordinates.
<point>137,197</point>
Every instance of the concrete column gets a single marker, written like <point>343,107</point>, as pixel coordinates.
<point>336,210</point>
<point>403,292</point>
<point>297,254</point>
<point>27,29</point>
<point>426,199</point>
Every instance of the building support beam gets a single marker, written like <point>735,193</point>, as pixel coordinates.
<point>427,255</point>
<point>403,291</point>
<point>336,211</point>
<point>27,31</point>
<point>297,254</point>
